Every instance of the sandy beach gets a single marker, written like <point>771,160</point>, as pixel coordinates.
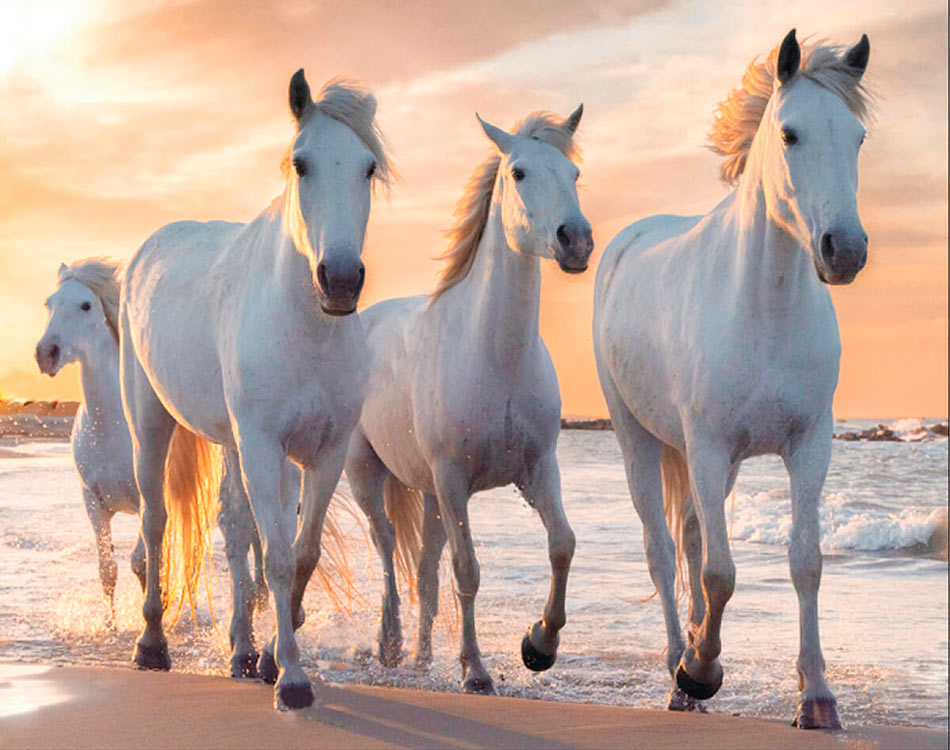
<point>84,707</point>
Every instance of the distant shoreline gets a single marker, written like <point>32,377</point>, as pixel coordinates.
<point>54,419</point>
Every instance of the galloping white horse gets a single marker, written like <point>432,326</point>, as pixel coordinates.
<point>462,394</point>
<point>716,340</point>
<point>82,326</point>
<point>242,334</point>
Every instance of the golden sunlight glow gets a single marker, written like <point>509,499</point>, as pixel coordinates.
<point>31,28</point>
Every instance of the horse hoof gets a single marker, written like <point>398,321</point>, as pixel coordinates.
<point>680,701</point>
<point>390,654</point>
<point>817,713</point>
<point>293,696</point>
<point>534,659</point>
<point>694,688</point>
<point>244,665</point>
<point>267,668</point>
<point>148,656</point>
<point>478,685</point>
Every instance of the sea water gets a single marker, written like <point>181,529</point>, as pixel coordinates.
<point>883,599</point>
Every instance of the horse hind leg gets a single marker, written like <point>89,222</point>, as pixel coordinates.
<point>237,524</point>
<point>367,476</point>
<point>642,454</point>
<point>151,427</point>
<point>543,492</point>
<point>427,578</point>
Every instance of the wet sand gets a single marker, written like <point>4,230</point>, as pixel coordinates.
<point>78,707</point>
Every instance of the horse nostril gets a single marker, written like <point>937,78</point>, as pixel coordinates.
<point>54,352</point>
<point>361,279</point>
<point>563,237</point>
<point>827,247</point>
<point>322,277</point>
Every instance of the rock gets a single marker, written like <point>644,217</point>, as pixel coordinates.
<point>848,436</point>
<point>582,423</point>
<point>941,429</point>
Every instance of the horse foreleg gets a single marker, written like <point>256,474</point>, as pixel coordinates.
<point>807,464</point>
<point>261,467</point>
<point>427,578</point>
<point>699,673</point>
<point>542,490</point>
<point>101,526</point>
<point>453,494</point>
<point>237,525</point>
<point>316,490</point>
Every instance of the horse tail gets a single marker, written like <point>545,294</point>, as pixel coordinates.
<point>677,505</point>
<point>405,507</point>
<point>335,570</point>
<point>192,481</point>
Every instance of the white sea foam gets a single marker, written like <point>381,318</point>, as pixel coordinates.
<point>766,517</point>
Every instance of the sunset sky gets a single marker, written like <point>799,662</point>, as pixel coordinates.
<point>119,117</point>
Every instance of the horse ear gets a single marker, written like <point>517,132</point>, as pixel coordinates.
<point>62,270</point>
<point>300,100</point>
<point>574,119</point>
<point>503,141</point>
<point>789,58</point>
<point>856,58</point>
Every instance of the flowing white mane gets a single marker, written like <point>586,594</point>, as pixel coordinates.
<point>101,276</point>
<point>351,103</point>
<point>738,116</point>
<point>472,209</point>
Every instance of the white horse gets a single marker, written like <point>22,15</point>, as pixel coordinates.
<point>462,394</point>
<point>716,340</point>
<point>242,334</point>
<point>82,326</point>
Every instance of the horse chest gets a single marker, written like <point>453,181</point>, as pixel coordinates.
<point>499,438</point>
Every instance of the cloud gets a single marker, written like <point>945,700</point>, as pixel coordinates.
<point>179,111</point>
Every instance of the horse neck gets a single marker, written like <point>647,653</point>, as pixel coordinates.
<point>503,290</point>
<point>99,374</point>
<point>772,274</point>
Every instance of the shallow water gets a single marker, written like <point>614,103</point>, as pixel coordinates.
<point>883,598</point>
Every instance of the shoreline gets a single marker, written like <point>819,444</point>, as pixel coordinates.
<point>80,707</point>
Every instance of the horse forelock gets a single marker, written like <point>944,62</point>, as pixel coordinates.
<point>738,116</point>
<point>473,208</point>
<point>102,277</point>
<point>349,102</point>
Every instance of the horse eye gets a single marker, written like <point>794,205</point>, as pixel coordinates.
<point>301,166</point>
<point>370,171</point>
<point>518,174</point>
<point>789,136</point>
<point>85,307</point>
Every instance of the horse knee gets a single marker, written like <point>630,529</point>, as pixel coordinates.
<point>561,550</point>
<point>279,566</point>
<point>805,566</point>
<point>467,574</point>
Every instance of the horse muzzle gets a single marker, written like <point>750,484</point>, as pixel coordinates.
<point>575,243</point>
<point>48,357</point>
<point>840,257</point>
<point>339,283</point>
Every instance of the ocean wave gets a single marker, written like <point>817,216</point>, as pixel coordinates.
<point>766,518</point>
